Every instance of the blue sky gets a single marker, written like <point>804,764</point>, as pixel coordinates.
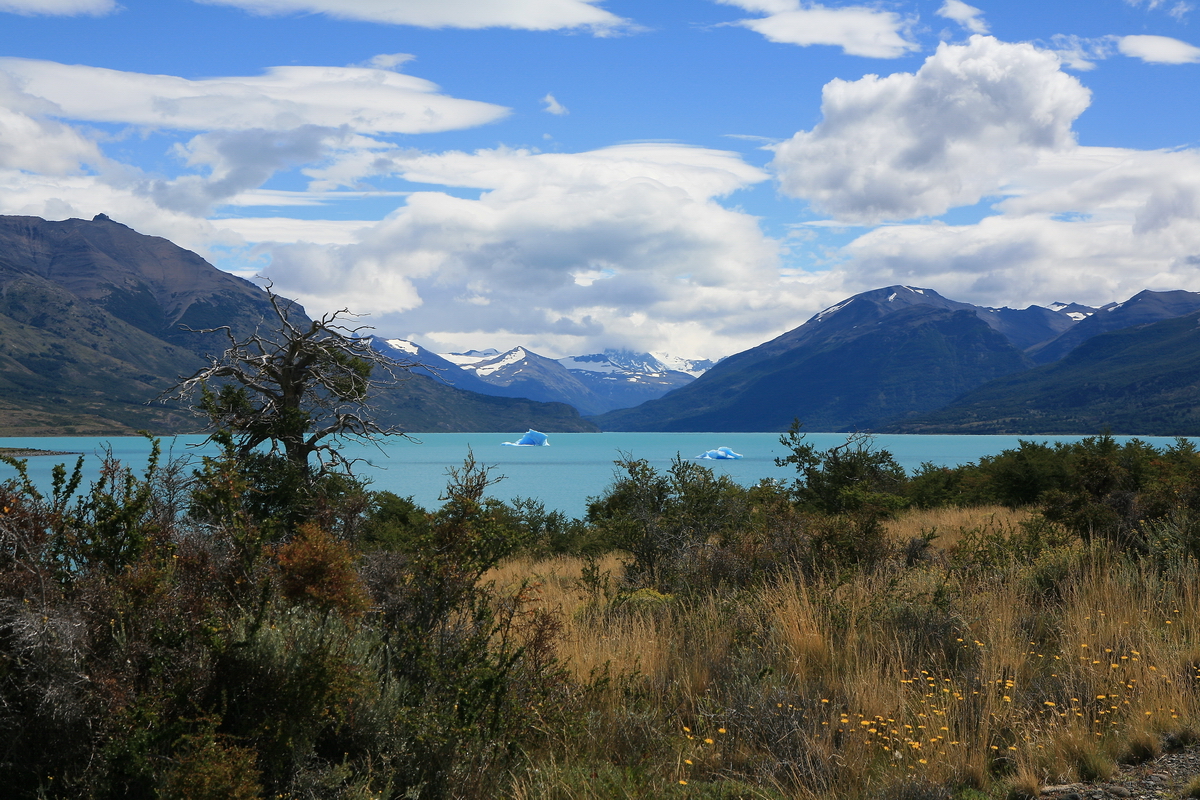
<point>683,176</point>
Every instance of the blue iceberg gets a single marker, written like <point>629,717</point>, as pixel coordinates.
<point>719,453</point>
<point>532,439</point>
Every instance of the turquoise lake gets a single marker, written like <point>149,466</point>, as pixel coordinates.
<point>563,475</point>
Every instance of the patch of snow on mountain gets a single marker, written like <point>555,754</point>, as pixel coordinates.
<point>506,360</point>
<point>470,357</point>
<point>591,363</point>
<point>891,297</point>
<point>1071,310</point>
<point>832,310</point>
<point>693,367</point>
<point>403,345</point>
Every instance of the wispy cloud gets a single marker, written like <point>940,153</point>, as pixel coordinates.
<point>59,8</point>
<point>969,17</point>
<point>362,99</point>
<point>1081,53</point>
<point>553,106</point>
<point>858,30</point>
<point>1177,9</point>
<point>539,15</point>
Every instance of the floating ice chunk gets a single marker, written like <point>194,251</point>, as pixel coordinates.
<point>719,453</point>
<point>532,439</point>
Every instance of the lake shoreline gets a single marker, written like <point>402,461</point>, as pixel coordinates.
<point>29,452</point>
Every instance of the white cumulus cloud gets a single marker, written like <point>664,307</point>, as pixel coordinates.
<point>910,145</point>
<point>364,99</point>
<point>1159,49</point>
<point>969,17</point>
<point>538,15</point>
<point>858,30</point>
<point>1090,225</point>
<point>63,8</point>
<point>565,252</point>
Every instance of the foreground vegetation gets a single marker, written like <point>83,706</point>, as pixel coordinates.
<point>242,628</point>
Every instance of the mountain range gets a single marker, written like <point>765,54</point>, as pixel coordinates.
<point>904,358</point>
<point>96,320</point>
<point>592,384</point>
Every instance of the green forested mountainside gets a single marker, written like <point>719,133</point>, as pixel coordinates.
<point>916,358</point>
<point>94,320</point>
<point>1142,380</point>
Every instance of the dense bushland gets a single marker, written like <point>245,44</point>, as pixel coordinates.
<point>246,626</point>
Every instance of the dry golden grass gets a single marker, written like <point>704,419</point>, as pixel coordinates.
<point>949,523</point>
<point>1034,671</point>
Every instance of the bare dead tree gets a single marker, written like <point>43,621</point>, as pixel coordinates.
<point>301,388</point>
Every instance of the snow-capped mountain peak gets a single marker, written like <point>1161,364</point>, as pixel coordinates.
<point>630,363</point>
<point>494,364</point>
<point>692,366</point>
<point>470,356</point>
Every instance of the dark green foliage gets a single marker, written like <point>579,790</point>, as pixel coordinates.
<point>187,655</point>
<point>688,530</point>
<point>393,523</point>
<point>468,663</point>
<point>982,548</point>
<point>850,478</point>
<point>849,490</point>
<point>669,523</point>
<point>545,533</point>
<point>1134,495</point>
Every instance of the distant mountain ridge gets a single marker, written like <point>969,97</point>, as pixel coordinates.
<point>880,356</point>
<point>1143,307</point>
<point>592,383</point>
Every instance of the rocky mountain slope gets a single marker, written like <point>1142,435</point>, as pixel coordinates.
<point>93,325</point>
<point>94,321</point>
